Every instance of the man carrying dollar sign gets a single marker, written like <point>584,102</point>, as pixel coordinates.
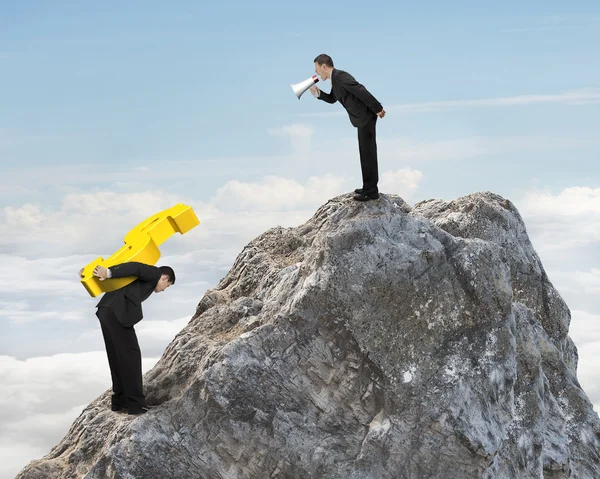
<point>118,311</point>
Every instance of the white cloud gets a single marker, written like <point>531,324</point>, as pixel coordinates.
<point>141,204</point>
<point>578,282</point>
<point>48,289</point>
<point>45,431</point>
<point>559,226</point>
<point>132,176</point>
<point>403,182</point>
<point>276,194</point>
<point>585,332</point>
<point>43,275</point>
<point>342,153</point>
<point>160,331</point>
<point>575,201</point>
<point>582,96</point>
<point>300,136</point>
<point>43,286</point>
<point>568,220</point>
<point>576,97</point>
<point>45,290</point>
<point>96,223</point>
<point>22,313</point>
<point>42,396</point>
<point>84,221</point>
<point>410,150</point>
<point>28,216</point>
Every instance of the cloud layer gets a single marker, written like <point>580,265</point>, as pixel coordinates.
<point>41,398</point>
<point>567,220</point>
<point>584,96</point>
<point>45,245</point>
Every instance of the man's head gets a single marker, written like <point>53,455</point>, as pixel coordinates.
<point>166,280</point>
<point>323,66</point>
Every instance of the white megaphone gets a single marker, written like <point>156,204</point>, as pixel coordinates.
<point>301,87</point>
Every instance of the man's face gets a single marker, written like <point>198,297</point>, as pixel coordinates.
<point>163,283</point>
<point>323,71</point>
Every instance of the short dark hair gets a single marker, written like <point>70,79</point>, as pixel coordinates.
<point>169,272</point>
<point>324,59</point>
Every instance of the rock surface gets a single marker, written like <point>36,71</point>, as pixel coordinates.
<point>374,341</point>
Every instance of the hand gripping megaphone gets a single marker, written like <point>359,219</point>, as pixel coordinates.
<point>300,88</point>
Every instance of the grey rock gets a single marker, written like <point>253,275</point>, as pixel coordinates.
<point>374,341</point>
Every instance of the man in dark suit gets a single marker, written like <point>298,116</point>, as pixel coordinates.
<point>363,110</point>
<point>118,311</point>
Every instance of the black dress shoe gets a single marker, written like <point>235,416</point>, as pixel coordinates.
<point>366,196</point>
<point>138,410</point>
<point>117,408</point>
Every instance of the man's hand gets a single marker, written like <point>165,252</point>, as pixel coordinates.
<point>381,114</point>
<point>315,91</point>
<point>81,272</point>
<point>100,272</point>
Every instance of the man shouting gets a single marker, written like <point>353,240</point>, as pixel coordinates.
<point>363,110</point>
<point>118,311</point>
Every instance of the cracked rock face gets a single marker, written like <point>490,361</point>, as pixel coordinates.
<point>374,341</point>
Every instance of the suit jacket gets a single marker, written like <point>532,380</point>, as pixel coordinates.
<point>126,302</point>
<point>361,106</point>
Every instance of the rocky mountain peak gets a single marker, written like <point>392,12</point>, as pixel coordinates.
<point>373,341</point>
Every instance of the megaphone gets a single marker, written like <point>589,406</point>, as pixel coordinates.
<point>300,88</point>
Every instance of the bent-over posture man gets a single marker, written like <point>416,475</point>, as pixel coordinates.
<point>118,311</point>
<point>363,110</point>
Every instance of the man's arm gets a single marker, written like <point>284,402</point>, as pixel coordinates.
<point>349,83</point>
<point>321,95</point>
<point>328,97</point>
<point>141,271</point>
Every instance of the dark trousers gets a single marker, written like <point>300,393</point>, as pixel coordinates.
<point>124,359</point>
<point>367,147</point>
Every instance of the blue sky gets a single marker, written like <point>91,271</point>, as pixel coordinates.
<point>142,83</point>
<point>110,113</point>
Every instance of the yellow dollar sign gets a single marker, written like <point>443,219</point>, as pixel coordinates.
<point>141,244</point>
